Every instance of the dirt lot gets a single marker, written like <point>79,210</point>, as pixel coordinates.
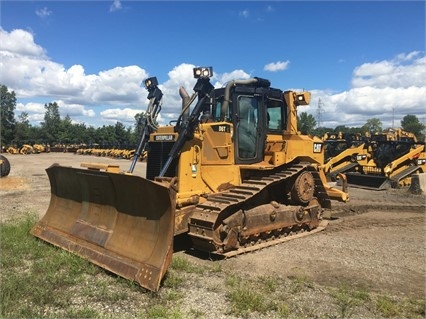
<point>377,241</point>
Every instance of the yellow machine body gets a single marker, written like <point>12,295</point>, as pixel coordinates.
<point>221,192</point>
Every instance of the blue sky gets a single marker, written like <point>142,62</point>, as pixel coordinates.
<point>361,59</point>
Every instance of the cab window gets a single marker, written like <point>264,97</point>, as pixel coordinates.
<point>274,116</point>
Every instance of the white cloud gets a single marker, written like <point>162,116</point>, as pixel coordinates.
<point>234,75</point>
<point>26,70</point>
<point>404,71</point>
<point>75,110</point>
<point>388,89</point>
<point>19,43</point>
<point>245,13</point>
<point>44,12</point>
<point>122,115</point>
<point>276,66</point>
<point>179,76</point>
<point>30,107</point>
<point>354,107</point>
<point>270,8</point>
<point>116,5</point>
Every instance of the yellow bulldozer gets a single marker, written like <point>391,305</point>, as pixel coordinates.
<point>232,172</point>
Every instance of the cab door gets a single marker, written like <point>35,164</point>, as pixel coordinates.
<point>249,129</point>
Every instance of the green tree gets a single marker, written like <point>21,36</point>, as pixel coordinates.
<point>23,130</point>
<point>66,132</point>
<point>52,123</point>
<point>137,131</point>
<point>122,135</point>
<point>138,123</point>
<point>306,123</point>
<point>36,135</point>
<point>411,123</point>
<point>90,135</point>
<point>321,131</point>
<point>7,115</point>
<point>106,136</point>
<point>342,128</point>
<point>80,133</point>
<point>372,126</point>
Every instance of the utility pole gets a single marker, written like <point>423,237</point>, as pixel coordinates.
<point>319,112</point>
<point>393,116</point>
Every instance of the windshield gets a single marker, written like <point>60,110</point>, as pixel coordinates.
<point>274,114</point>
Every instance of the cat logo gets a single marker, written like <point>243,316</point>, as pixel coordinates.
<point>317,147</point>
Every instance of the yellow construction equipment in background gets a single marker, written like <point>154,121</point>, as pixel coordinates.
<point>388,160</point>
<point>340,154</point>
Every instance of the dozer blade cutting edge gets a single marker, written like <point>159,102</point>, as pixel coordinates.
<point>375,182</point>
<point>123,223</point>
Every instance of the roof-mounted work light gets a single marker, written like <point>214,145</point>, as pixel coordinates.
<point>203,72</point>
<point>151,85</point>
<point>151,82</point>
<point>303,98</point>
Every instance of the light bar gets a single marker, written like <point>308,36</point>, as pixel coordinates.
<point>203,72</point>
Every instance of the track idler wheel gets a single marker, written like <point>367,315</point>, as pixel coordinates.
<point>303,188</point>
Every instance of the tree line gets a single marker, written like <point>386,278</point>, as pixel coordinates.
<point>56,130</point>
<point>306,124</point>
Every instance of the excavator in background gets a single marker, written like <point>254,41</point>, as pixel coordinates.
<point>340,154</point>
<point>232,173</point>
<point>389,161</point>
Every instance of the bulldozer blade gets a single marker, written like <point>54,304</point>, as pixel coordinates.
<point>368,181</point>
<point>122,223</point>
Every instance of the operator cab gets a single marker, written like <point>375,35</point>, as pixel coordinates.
<point>254,111</point>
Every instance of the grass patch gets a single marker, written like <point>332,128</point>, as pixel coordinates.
<point>268,284</point>
<point>348,299</point>
<point>173,280</point>
<point>300,284</point>
<point>163,311</point>
<point>245,300</point>
<point>85,312</point>
<point>181,264</point>
<point>387,307</point>
<point>39,280</point>
<point>42,276</point>
<point>247,296</point>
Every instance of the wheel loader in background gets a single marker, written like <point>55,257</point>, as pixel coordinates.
<point>233,173</point>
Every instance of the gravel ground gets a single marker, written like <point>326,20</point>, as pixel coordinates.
<point>374,242</point>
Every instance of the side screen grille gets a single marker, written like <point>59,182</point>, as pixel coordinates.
<point>158,153</point>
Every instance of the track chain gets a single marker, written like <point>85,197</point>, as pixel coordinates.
<point>206,214</point>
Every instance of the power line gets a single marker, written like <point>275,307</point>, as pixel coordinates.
<point>319,112</point>
<point>393,117</point>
